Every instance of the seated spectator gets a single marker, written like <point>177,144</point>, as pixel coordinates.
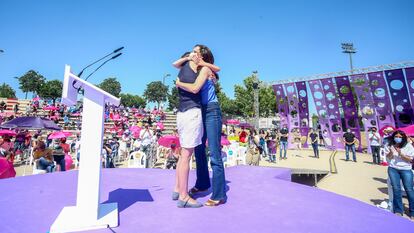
<point>172,157</point>
<point>6,148</point>
<point>59,154</point>
<point>44,156</point>
<point>2,106</point>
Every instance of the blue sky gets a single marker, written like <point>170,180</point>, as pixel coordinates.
<point>280,39</point>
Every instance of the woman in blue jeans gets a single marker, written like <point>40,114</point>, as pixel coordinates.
<point>212,124</point>
<point>401,154</point>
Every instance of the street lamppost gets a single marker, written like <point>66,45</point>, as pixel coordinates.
<point>163,83</point>
<point>165,76</point>
<point>256,98</point>
<point>349,49</point>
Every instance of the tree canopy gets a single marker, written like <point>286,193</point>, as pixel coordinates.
<point>129,100</point>
<point>51,90</point>
<point>6,91</point>
<point>31,81</point>
<point>245,99</point>
<point>173,98</point>
<point>156,92</point>
<point>111,85</point>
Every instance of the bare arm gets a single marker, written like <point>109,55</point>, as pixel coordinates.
<point>196,86</point>
<point>177,64</point>
<point>212,67</point>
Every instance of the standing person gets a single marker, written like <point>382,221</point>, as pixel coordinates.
<point>262,142</point>
<point>212,124</point>
<point>271,145</point>
<point>374,140</point>
<point>314,142</point>
<point>297,140</point>
<point>350,140</point>
<point>145,135</point>
<point>401,155</point>
<point>190,129</point>
<point>253,152</point>
<point>284,134</point>
<point>321,139</point>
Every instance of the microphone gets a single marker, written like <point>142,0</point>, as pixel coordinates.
<point>109,54</point>
<point>113,57</point>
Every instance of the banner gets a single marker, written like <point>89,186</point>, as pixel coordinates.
<point>381,97</point>
<point>303,111</point>
<point>399,97</point>
<point>293,114</point>
<point>333,113</point>
<point>409,74</point>
<point>362,89</point>
<point>282,107</point>
<point>319,99</point>
<point>348,106</point>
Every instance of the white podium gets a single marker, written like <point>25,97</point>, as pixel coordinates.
<point>88,214</point>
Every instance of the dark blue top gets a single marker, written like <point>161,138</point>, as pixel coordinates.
<point>187,99</point>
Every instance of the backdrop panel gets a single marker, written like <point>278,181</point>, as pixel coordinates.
<point>362,89</point>
<point>348,106</point>
<point>320,104</point>
<point>399,96</point>
<point>303,110</point>
<point>282,107</point>
<point>381,97</point>
<point>293,115</point>
<point>333,113</point>
<point>409,74</point>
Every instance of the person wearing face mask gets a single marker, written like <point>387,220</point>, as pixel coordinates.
<point>349,139</point>
<point>284,134</point>
<point>146,138</point>
<point>401,154</point>
<point>374,141</point>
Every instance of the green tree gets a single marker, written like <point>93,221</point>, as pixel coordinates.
<point>173,99</point>
<point>129,100</point>
<point>51,90</point>
<point>111,85</point>
<point>6,91</point>
<point>227,105</point>
<point>32,81</point>
<point>156,92</point>
<point>245,98</point>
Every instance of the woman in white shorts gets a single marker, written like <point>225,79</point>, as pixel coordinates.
<point>190,130</point>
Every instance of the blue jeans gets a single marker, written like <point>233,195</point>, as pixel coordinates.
<point>406,176</point>
<point>60,160</point>
<point>283,147</point>
<point>212,132</point>
<point>45,164</point>
<point>347,149</point>
<point>315,149</point>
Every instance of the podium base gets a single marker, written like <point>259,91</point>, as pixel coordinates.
<point>72,219</point>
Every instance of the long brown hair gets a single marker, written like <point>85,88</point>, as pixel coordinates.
<point>207,56</point>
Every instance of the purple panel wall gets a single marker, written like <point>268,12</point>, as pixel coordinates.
<point>333,113</point>
<point>363,92</point>
<point>303,110</point>
<point>293,116</point>
<point>319,99</point>
<point>399,96</point>
<point>348,106</point>
<point>409,74</point>
<point>282,103</point>
<point>381,97</point>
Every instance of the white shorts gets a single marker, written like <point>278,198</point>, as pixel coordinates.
<point>190,127</point>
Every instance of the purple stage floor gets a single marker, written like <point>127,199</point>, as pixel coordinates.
<point>259,200</point>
